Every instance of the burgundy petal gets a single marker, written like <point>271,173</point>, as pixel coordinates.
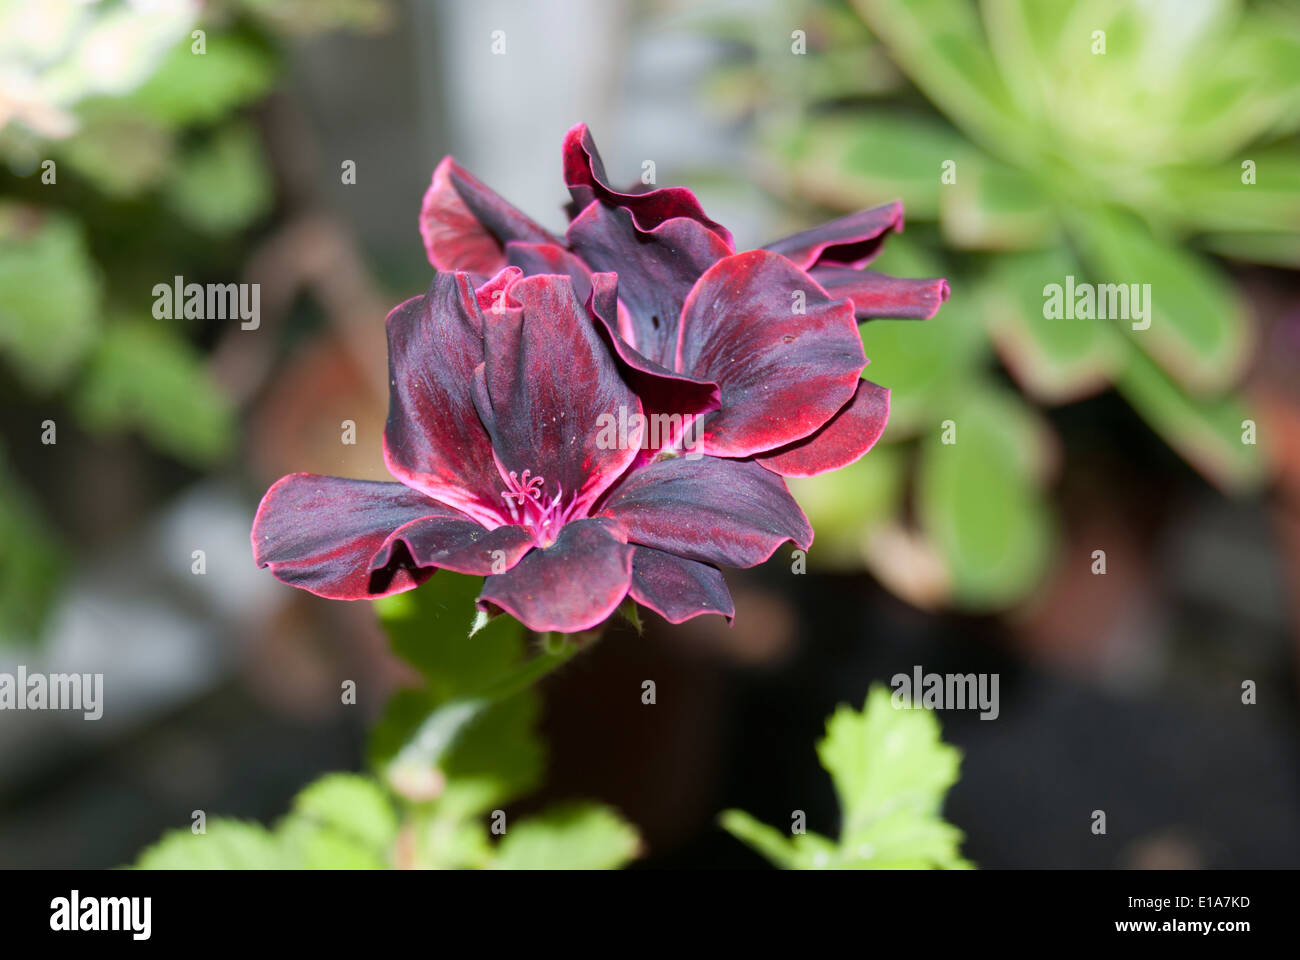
<point>584,175</point>
<point>844,439</point>
<point>320,533</point>
<point>548,385</point>
<point>457,543</point>
<point>786,356</point>
<point>877,295</point>
<point>656,269</point>
<point>732,513</point>
<point>466,225</point>
<point>676,588</point>
<point>434,440</point>
<point>572,585</point>
<point>670,401</point>
<point>534,258</point>
<point>852,241</point>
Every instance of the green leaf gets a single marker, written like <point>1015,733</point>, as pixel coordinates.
<point>1207,432</point>
<point>1272,248</point>
<point>991,206</point>
<point>891,771</point>
<point>1054,360</point>
<point>582,836</point>
<point>49,295</point>
<point>190,88</point>
<point>940,44</point>
<point>1199,331</point>
<point>430,629</point>
<point>145,377</point>
<point>479,748</point>
<point>118,151</point>
<point>227,845</point>
<point>778,847</point>
<point>849,161</point>
<point>979,499</point>
<point>31,563</point>
<point>351,804</point>
<point>883,759</point>
<point>920,361</point>
<point>223,184</point>
<point>844,505</point>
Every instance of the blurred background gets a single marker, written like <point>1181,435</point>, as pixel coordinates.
<point>1169,156</point>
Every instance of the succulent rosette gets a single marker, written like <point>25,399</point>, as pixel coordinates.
<point>507,375</point>
<point>762,346</point>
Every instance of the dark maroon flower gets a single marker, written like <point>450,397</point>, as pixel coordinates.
<point>758,350</point>
<point>496,395</point>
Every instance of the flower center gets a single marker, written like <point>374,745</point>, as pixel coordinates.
<point>528,507</point>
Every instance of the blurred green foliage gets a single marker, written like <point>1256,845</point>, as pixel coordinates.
<point>448,755</point>
<point>891,772</point>
<point>1109,141</point>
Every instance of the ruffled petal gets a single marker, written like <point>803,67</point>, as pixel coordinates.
<point>676,588</point>
<point>852,241</point>
<point>466,225</point>
<point>785,355</point>
<point>656,269</point>
<point>321,533</point>
<point>732,513</point>
<point>584,175</point>
<point>535,258</point>
<point>434,440</point>
<point>671,402</point>
<point>877,295</point>
<point>548,386</point>
<point>843,440</point>
<point>574,584</point>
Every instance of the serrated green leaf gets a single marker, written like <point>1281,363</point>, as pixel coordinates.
<point>580,836</point>
<point>49,295</point>
<point>145,377</point>
<point>227,845</point>
<point>882,759</point>
<point>351,804</point>
<point>891,772</point>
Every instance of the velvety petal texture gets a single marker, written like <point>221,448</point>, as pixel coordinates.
<point>466,225</point>
<point>656,270</point>
<point>572,585</point>
<point>676,588</point>
<point>877,295</point>
<point>851,241</point>
<point>550,382</point>
<point>321,534</point>
<point>584,175</point>
<point>732,513</point>
<point>843,440</point>
<point>786,356</point>
<point>434,440</point>
<point>603,415</point>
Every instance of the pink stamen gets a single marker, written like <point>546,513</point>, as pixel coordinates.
<point>523,496</point>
